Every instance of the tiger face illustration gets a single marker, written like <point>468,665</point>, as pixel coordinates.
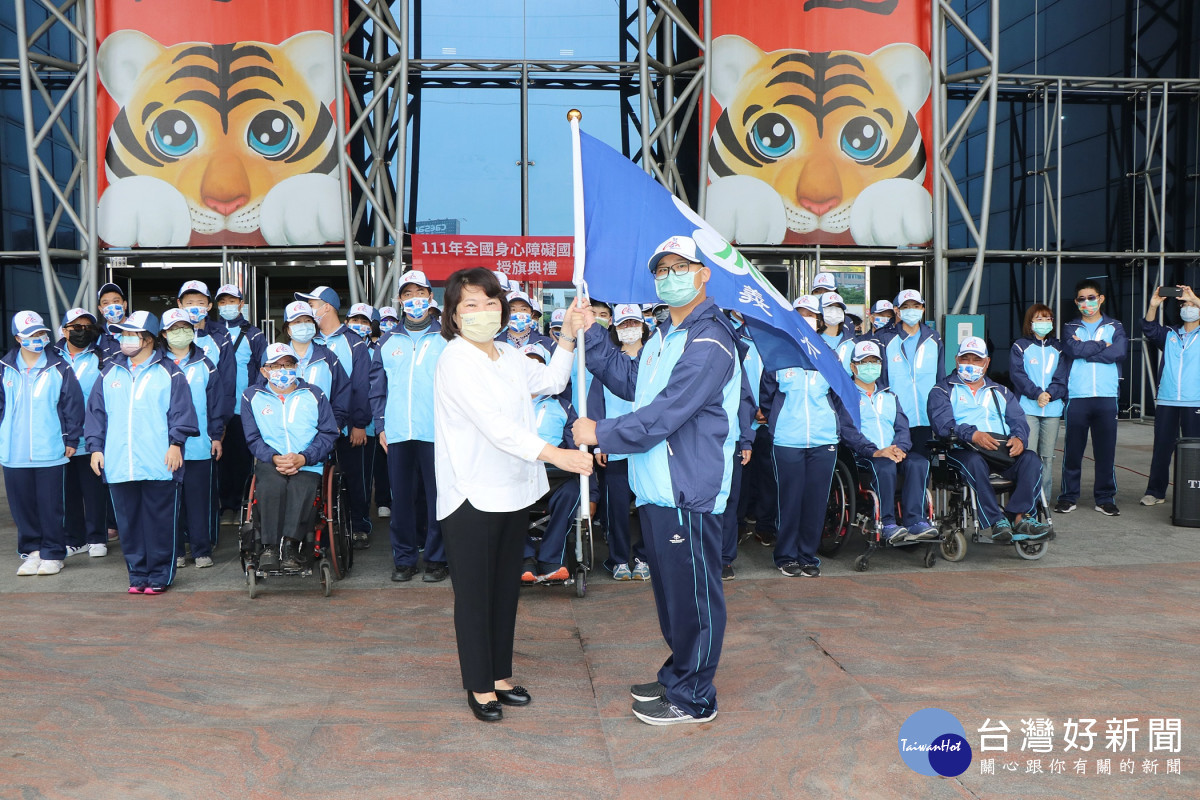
<point>230,141</point>
<point>819,147</point>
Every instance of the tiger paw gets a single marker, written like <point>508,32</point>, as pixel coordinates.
<point>143,211</point>
<point>302,209</point>
<point>892,213</point>
<point>746,210</point>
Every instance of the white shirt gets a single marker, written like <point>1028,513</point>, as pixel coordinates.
<point>485,441</point>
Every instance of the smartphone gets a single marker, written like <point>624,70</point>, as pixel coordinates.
<point>1170,291</point>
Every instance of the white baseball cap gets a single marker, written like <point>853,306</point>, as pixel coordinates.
<point>76,313</point>
<point>866,349</point>
<point>973,344</point>
<point>881,306</point>
<point>909,294</point>
<point>809,302</point>
<point>173,315</point>
<point>624,311</point>
<point>26,323</point>
<point>500,276</point>
<point>518,295</point>
<point>558,317</point>
<point>193,286</point>
<point>296,309</point>
<point>679,245</point>
<point>229,289</point>
<point>537,350</point>
<point>414,276</point>
<point>387,312</point>
<point>277,351</point>
<point>824,280</point>
<point>831,299</point>
<point>361,310</point>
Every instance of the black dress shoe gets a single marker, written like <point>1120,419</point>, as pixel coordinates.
<point>485,712</point>
<point>516,696</point>
<point>435,573</point>
<point>403,574</point>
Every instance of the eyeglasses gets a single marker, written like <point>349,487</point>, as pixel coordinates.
<point>1088,299</point>
<point>680,268</point>
<point>78,328</point>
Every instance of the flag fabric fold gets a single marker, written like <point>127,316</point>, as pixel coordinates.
<point>628,214</point>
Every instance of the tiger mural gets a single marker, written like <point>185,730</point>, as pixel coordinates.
<point>819,147</point>
<point>220,143</point>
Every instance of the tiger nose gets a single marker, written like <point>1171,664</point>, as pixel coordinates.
<point>225,186</point>
<point>819,187</point>
<point>820,207</point>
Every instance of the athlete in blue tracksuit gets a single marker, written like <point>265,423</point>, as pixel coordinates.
<point>759,494</point>
<point>521,329</point>
<point>41,418</point>
<point>1096,345</point>
<point>247,343</point>
<point>139,417</point>
<point>882,449</point>
<point>982,412</point>
<point>685,388</point>
<point>316,364</point>
<point>1177,406</point>
<point>747,410</point>
<point>197,522</point>
<point>402,404</point>
<point>547,562</point>
<point>113,308</point>
<point>213,340</point>
<point>87,497</point>
<point>1038,369</point>
<point>352,451</point>
<point>290,430</point>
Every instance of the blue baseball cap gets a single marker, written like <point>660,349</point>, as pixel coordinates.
<point>323,293</point>
<point>110,287</point>
<point>137,322</point>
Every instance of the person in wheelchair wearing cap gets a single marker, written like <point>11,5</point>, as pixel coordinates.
<point>988,420</point>
<point>290,430</point>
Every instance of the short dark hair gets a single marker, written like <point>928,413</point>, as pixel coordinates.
<point>479,277</point>
<point>1033,311</point>
<point>1088,283</point>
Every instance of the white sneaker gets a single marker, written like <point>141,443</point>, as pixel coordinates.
<point>180,562</point>
<point>204,561</point>
<point>97,550</point>
<point>384,512</point>
<point>74,551</point>
<point>1151,500</point>
<point>50,567</point>
<point>31,563</point>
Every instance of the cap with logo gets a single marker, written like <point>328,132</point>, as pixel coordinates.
<point>558,317</point>
<point>684,246</point>
<point>298,309</point>
<point>909,294</point>
<point>866,349</point>
<point>277,351</point>
<point>973,344</point>
<point>809,302</point>
<point>229,290</point>
<point>138,322</point>
<point>627,311</point>
<point>324,294</point>
<point>361,310</point>
<point>173,315</point>
<point>27,323</point>
<point>831,299</point>
<point>193,286</point>
<point>538,351</point>
<point>500,276</point>
<point>526,299</point>
<point>881,306</point>
<point>824,280</point>
<point>415,277</point>
<point>387,312</point>
<point>76,313</point>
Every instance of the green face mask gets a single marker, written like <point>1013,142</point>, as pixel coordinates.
<point>180,338</point>
<point>677,290</point>
<point>604,323</point>
<point>1042,328</point>
<point>869,373</point>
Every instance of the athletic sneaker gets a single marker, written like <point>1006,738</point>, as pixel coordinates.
<point>792,569</point>
<point>29,566</point>
<point>529,572</point>
<point>810,571</point>
<point>181,562</point>
<point>1002,532</point>
<point>135,590</point>
<point>1030,528</point>
<point>1065,507</point>
<point>661,712</point>
<point>74,551</point>
<point>727,572</point>
<point>203,562</point>
<point>641,570</point>
<point>894,533</point>
<point>384,512</point>
<point>621,573</point>
<point>50,567</point>
<point>922,531</point>
<point>647,692</point>
<point>560,574</point>
<point>1109,509</point>
<point>154,590</point>
<point>765,538</point>
<point>97,550</point>
<point>1151,500</point>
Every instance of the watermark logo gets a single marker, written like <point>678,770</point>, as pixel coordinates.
<point>933,742</point>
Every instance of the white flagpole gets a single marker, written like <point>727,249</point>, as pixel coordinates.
<point>574,116</point>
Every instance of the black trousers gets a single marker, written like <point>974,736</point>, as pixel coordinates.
<point>285,503</point>
<point>233,470</point>
<point>484,550</point>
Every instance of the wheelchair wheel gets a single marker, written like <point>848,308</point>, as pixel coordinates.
<point>581,582</point>
<point>1031,551</point>
<point>862,563</point>
<point>930,556</point>
<point>251,581</point>
<point>954,546</point>
<point>839,513</point>
<point>326,578</point>
<point>336,507</point>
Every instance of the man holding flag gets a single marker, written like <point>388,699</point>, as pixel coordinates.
<point>685,388</point>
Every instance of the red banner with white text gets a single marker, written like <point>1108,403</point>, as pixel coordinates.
<point>548,259</point>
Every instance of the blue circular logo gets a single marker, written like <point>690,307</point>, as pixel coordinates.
<point>933,742</point>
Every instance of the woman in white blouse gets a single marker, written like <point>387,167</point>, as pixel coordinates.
<point>487,456</point>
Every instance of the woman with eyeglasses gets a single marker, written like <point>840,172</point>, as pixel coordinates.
<point>1039,370</point>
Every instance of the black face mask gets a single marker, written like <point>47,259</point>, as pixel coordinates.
<point>82,338</point>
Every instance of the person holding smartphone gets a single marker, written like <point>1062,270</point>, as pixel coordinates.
<point>1177,407</point>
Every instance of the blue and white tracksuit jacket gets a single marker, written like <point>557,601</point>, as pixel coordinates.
<point>301,421</point>
<point>320,367</point>
<point>1179,376</point>
<point>352,353</point>
<point>402,374</point>
<point>686,389</point>
<point>87,364</point>
<point>214,340</point>
<point>247,355</point>
<point>913,379</point>
<point>1036,366</point>
<point>133,416</point>
<point>204,386</point>
<point>993,409</point>
<point>882,423</point>
<point>41,410</point>
<point>1095,358</point>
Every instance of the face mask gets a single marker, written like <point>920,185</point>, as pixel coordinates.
<point>677,290</point>
<point>662,315</point>
<point>480,326</point>
<point>196,313</point>
<point>114,312</point>
<point>282,378</point>
<point>629,335</point>
<point>1043,328</point>
<point>230,311</point>
<point>650,321</point>
<point>1090,307</point>
<point>812,322</point>
<point>362,330</point>
<point>604,323</point>
<point>82,338</point>
<point>879,322</point>
<point>181,338</point>
<point>1189,313</point>
<point>869,373</point>
<point>970,372</point>
<point>912,316</point>
<point>520,322</point>
<point>303,332</point>
<point>415,307</point>
<point>131,344</point>
<point>834,316</point>
<point>386,325</point>
<point>37,344</point>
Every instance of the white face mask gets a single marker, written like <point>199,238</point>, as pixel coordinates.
<point>629,335</point>
<point>834,316</point>
<point>1189,313</point>
<point>812,322</point>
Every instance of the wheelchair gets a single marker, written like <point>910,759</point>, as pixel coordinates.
<point>329,553</point>
<point>853,505</point>
<point>954,506</point>
<point>581,556</point>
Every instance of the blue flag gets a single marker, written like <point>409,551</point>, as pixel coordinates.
<point>628,215</point>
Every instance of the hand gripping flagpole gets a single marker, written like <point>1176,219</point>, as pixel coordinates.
<point>584,518</point>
